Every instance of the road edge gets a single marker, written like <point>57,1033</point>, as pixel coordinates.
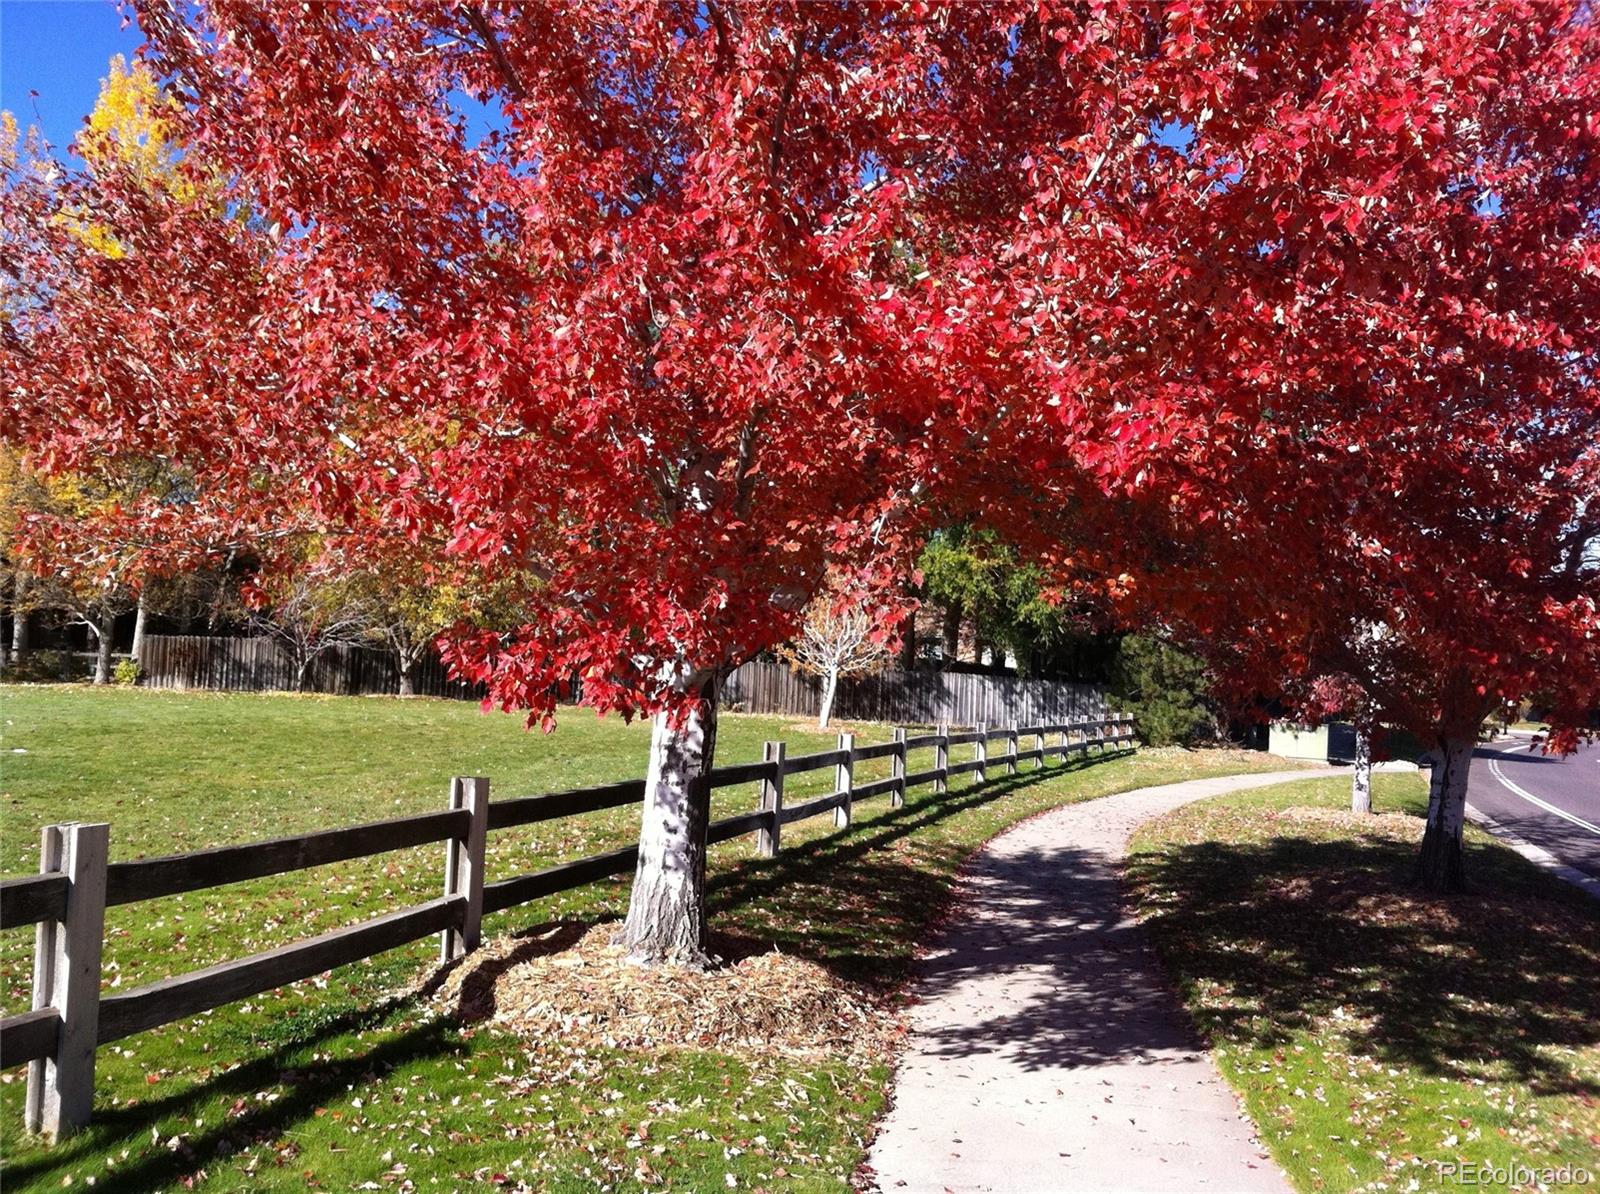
<point>1537,855</point>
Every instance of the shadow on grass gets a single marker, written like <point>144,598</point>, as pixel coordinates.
<point>1295,928</point>
<point>846,900</point>
<point>310,1086</point>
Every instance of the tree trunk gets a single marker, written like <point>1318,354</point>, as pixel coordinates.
<point>19,619</point>
<point>408,683</point>
<point>1361,779</point>
<point>667,911</point>
<point>1441,863</point>
<point>139,620</point>
<point>830,689</point>
<point>952,631</point>
<point>104,631</point>
<point>908,643</point>
<point>303,670</point>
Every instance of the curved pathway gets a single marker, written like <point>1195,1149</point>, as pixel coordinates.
<point>1047,1052</point>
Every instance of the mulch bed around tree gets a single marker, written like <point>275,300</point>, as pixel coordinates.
<point>1398,826</point>
<point>569,981</point>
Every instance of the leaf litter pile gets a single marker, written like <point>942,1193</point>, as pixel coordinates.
<point>570,982</point>
<point>1398,826</point>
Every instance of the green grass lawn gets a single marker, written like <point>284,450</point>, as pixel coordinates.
<point>1371,1029</point>
<point>340,1081</point>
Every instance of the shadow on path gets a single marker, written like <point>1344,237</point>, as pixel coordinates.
<point>1054,918</point>
<point>1047,1041</point>
<point>848,903</point>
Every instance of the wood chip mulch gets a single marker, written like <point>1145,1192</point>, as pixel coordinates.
<point>571,983</point>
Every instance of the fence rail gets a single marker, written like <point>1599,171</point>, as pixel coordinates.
<point>67,900</point>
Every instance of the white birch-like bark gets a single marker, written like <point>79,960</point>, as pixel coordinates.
<point>104,632</point>
<point>1441,862</point>
<point>666,922</point>
<point>830,690</point>
<point>1361,778</point>
<point>19,618</point>
<point>302,669</point>
<point>139,619</point>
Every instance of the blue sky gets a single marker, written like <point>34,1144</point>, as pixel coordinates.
<point>58,48</point>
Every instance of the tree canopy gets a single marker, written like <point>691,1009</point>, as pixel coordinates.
<point>1279,322</point>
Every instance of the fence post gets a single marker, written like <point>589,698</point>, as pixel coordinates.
<point>980,752</point>
<point>1038,744</point>
<point>844,781</point>
<point>897,764</point>
<point>941,759</point>
<point>66,976</point>
<point>463,866</point>
<point>771,801</point>
<point>1011,749</point>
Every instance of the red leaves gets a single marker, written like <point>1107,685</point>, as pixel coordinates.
<point>718,306</point>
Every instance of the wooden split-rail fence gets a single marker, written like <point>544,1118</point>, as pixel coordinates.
<point>67,900</point>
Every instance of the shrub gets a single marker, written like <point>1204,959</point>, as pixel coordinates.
<point>38,667</point>
<point>127,672</point>
<point>1165,690</point>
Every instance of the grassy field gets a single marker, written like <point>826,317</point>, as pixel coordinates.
<point>339,1082</point>
<point>1373,1030</point>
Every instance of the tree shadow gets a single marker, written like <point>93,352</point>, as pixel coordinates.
<point>1494,982</point>
<point>254,1121</point>
<point>846,902</point>
<point>1048,968</point>
<point>1295,930</point>
<point>853,901</point>
<point>474,1000</point>
<point>1518,757</point>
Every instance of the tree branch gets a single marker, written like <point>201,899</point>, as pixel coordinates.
<point>782,118</point>
<point>719,21</point>
<point>508,73</point>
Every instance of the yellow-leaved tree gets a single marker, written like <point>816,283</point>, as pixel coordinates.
<point>131,130</point>
<point>131,137</point>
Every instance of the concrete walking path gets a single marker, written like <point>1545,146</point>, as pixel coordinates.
<point>1047,1052</point>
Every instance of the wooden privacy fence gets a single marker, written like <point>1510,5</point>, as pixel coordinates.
<point>186,661</point>
<point>262,664</point>
<point>67,900</point>
<point>926,698</point>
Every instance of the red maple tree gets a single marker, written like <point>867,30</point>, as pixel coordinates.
<point>668,308</point>
<point>650,340</point>
<point>1329,340</point>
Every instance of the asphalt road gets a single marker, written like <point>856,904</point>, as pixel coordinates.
<point>1547,800</point>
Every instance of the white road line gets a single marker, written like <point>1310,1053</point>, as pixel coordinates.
<point>1517,790</point>
<point>1537,855</point>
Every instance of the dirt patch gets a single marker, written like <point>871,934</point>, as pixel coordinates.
<point>570,981</point>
